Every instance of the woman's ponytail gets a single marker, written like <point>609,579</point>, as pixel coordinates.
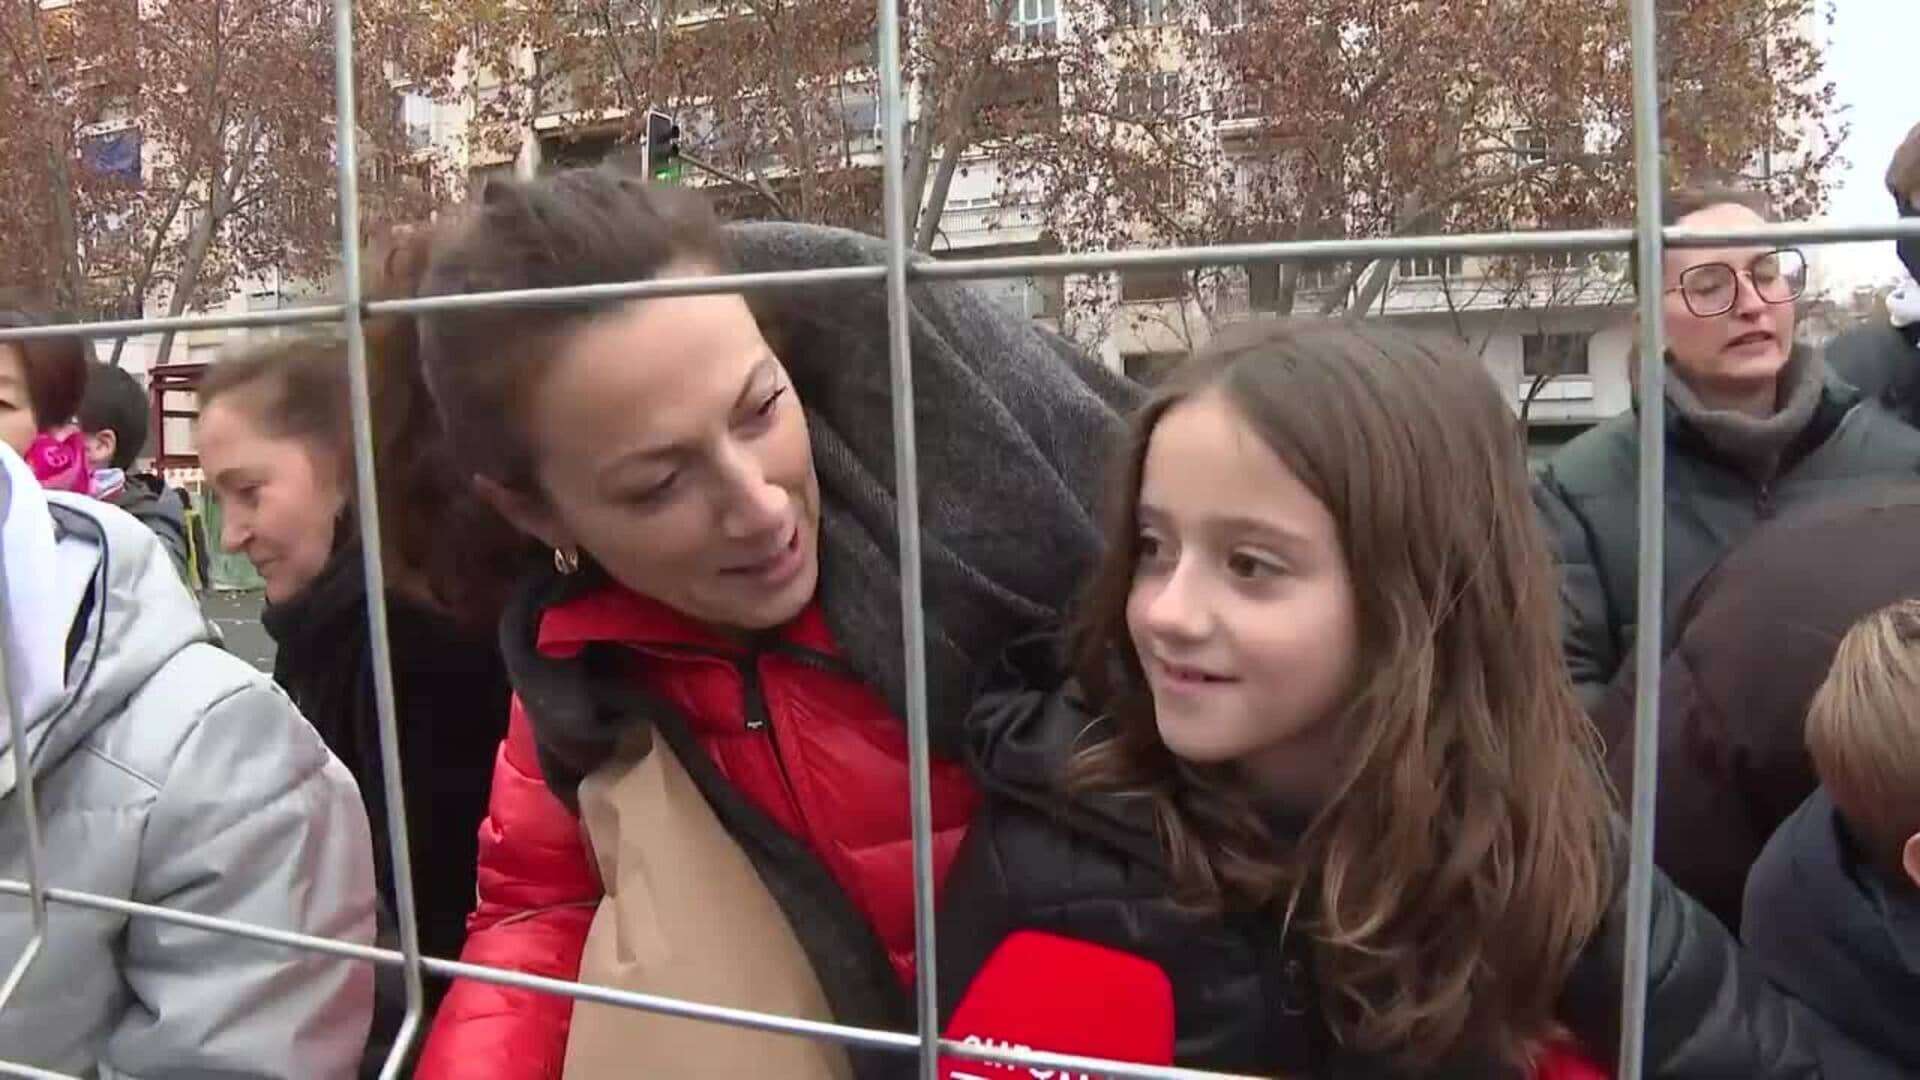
<point>432,521</point>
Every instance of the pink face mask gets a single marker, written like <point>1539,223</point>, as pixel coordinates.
<point>60,462</point>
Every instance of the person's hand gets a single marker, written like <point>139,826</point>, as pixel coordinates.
<point>1903,176</point>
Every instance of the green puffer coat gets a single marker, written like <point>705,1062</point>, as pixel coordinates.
<point>1586,494</point>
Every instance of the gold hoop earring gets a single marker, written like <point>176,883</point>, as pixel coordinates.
<point>566,562</point>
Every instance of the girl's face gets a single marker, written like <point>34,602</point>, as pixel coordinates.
<point>671,448</point>
<point>1242,609</point>
<point>278,505</point>
<point>17,427</point>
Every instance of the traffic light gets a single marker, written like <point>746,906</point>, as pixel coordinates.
<point>662,158</point>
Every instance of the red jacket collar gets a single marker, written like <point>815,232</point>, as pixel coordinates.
<point>619,615</point>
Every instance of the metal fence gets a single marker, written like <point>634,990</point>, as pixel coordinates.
<point>1647,237</point>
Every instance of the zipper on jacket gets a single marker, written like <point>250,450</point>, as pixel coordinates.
<point>760,716</point>
<point>1293,975</point>
<point>1763,502</point>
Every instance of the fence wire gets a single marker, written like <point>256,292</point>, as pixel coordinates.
<point>901,268</point>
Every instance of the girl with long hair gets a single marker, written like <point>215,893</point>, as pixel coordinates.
<point>1316,752</point>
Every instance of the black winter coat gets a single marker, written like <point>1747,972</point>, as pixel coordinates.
<point>1588,497</point>
<point>162,510</point>
<point>451,695</point>
<point>1844,938</point>
<point>1884,362</point>
<point>1244,1000</point>
<point>1752,644</point>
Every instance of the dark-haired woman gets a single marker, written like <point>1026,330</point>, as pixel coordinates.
<point>274,438</point>
<point>1756,424</point>
<point>1322,763</point>
<point>708,763</point>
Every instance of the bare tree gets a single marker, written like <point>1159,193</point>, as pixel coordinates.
<point>1251,120</point>
<point>163,153</point>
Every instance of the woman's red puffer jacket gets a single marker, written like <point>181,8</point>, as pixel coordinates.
<point>812,747</point>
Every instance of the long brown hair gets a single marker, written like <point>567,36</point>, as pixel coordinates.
<point>1464,859</point>
<point>452,384</point>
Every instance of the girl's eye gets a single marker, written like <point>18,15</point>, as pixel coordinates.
<point>1149,547</point>
<point>655,493</point>
<point>767,406</point>
<point>1251,567</point>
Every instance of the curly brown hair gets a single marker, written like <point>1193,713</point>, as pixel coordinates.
<point>1464,860</point>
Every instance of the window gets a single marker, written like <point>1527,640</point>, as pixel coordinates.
<point>1024,98</point>
<point>1263,286</point>
<point>1164,188</point>
<point>1314,276</point>
<point>265,300</point>
<point>1228,14</point>
<point>1035,22</point>
<point>1546,145</point>
<point>1141,95</point>
<point>1149,368</point>
<point>1322,275</point>
<point>628,13</point>
<point>860,120</point>
<point>111,113</point>
<point>1554,354</point>
<point>478,178</point>
<point>416,117</point>
<point>561,152</point>
<point>1530,146</point>
<point>114,154</point>
<point>564,84</point>
<point>1545,262</point>
<point>1138,286</point>
<point>1243,101</point>
<point>1430,266</point>
<point>1146,12</point>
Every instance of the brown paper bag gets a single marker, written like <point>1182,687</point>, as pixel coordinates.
<point>685,915</point>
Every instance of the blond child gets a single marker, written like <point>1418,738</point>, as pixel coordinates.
<point>1833,906</point>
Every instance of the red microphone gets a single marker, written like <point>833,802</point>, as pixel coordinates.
<point>1053,994</point>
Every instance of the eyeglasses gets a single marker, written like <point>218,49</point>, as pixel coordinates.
<point>1710,289</point>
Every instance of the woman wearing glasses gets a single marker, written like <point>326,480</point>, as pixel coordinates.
<point>1755,425</point>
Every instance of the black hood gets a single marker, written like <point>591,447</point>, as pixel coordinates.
<point>1027,723</point>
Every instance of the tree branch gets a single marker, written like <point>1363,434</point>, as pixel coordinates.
<point>753,184</point>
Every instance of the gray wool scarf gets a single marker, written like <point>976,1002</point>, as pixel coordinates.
<point>1014,425</point>
<point>1758,443</point>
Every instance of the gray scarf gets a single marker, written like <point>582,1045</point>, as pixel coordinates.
<point>1758,443</point>
<point>1014,427</point>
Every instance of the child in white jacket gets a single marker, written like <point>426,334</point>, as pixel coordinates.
<point>170,773</point>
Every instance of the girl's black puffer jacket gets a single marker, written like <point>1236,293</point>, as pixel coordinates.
<point>1245,1001</point>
